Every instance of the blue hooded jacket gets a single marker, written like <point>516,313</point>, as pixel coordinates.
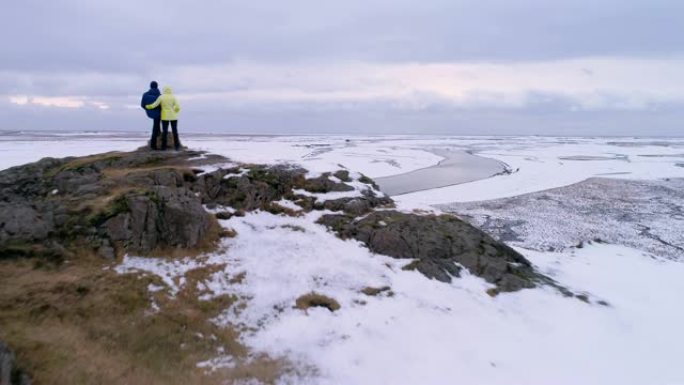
<point>150,97</point>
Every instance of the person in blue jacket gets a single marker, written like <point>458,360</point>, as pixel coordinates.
<point>150,97</point>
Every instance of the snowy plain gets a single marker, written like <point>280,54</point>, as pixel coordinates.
<point>429,332</point>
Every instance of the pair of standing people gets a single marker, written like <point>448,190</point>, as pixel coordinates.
<point>162,108</point>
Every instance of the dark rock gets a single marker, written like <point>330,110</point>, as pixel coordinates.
<point>254,190</point>
<point>161,177</point>
<point>106,251</point>
<point>323,184</point>
<point>160,217</point>
<point>357,206</point>
<point>20,221</point>
<point>353,206</point>
<point>10,374</point>
<point>369,181</point>
<point>224,215</point>
<point>136,202</point>
<point>113,203</point>
<point>342,175</point>
<point>440,245</point>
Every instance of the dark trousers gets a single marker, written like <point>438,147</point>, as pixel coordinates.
<point>165,133</point>
<point>155,133</point>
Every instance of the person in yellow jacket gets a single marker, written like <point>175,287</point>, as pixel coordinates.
<point>169,113</point>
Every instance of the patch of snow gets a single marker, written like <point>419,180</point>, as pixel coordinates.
<point>199,157</point>
<point>217,363</point>
<point>312,174</point>
<point>220,208</point>
<point>329,195</point>
<point>214,167</point>
<point>254,381</point>
<point>288,204</point>
<point>243,171</point>
<point>171,272</point>
<point>306,258</point>
<point>152,288</point>
<point>155,307</point>
<point>430,332</point>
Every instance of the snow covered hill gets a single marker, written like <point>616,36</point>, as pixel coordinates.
<point>389,325</point>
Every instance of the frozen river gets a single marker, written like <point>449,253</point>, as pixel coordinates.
<point>456,167</point>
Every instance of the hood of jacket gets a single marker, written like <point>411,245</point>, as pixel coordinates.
<point>168,90</point>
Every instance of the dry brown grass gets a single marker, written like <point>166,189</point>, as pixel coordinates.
<point>316,300</point>
<point>86,160</point>
<point>101,202</point>
<point>227,233</point>
<point>275,208</point>
<point>121,173</point>
<point>374,291</point>
<point>411,265</point>
<point>79,323</point>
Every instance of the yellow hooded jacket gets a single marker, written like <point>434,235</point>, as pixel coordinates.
<point>169,105</point>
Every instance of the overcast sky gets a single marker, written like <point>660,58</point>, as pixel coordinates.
<point>556,67</point>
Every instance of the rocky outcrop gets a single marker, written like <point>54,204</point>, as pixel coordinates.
<point>142,201</point>
<point>440,246</point>
<point>109,203</point>
<point>250,187</point>
<point>160,216</point>
<point>139,202</point>
<point>10,374</point>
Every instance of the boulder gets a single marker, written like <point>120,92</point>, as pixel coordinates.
<point>440,246</point>
<point>323,184</point>
<point>21,222</point>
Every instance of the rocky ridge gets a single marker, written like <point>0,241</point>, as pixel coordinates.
<point>148,203</point>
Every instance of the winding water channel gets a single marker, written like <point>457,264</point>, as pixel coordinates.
<point>457,167</point>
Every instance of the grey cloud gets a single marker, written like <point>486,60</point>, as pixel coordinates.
<point>131,35</point>
<point>108,50</point>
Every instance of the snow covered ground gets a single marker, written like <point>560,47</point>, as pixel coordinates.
<point>422,331</point>
<point>541,163</point>
<point>538,163</point>
<point>429,332</point>
<point>647,215</point>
